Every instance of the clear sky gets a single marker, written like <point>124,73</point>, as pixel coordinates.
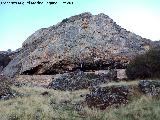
<point>17,22</point>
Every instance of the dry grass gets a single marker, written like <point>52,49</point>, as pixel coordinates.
<point>120,83</point>
<point>33,105</point>
<point>59,105</point>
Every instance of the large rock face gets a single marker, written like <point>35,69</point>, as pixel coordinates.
<point>84,41</point>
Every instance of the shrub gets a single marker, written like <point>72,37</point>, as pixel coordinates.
<point>65,20</point>
<point>145,66</point>
<point>4,60</point>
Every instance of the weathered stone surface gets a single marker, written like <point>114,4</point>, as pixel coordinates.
<point>150,87</point>
<point>112,74</point>
<point>103,97</point>
<point>87,41</point>
<point>121,74</point>
<point>156,44</point>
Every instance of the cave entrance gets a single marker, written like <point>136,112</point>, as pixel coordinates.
<point>32,71</point>
<point>83,66</point>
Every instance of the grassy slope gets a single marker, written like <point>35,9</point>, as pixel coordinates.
<point>60,105</point>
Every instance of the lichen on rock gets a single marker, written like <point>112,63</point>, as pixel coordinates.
<point>103,97</point>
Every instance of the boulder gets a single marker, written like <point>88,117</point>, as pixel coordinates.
<point>90,42</point>
<point>103,97</point>
<point>150,87</point>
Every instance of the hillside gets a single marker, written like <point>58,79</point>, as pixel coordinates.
<point>76,70</point>
<point>83,41</point>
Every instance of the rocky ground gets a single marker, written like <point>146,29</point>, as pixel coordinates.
<point>77,80</point>
<point>114,101</point>
<point>101,94</point>
<point>5,89</point>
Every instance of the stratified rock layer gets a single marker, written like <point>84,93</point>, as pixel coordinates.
<point>83,41</point>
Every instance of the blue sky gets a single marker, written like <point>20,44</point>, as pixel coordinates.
<point>17,22</point>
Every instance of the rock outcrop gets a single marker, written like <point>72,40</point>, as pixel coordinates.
<point>150,87</point>
<point>83,41</point>
<point>80,80</point>
<point>156,44</point>
<point>77,80</point>
<point>103,97</point>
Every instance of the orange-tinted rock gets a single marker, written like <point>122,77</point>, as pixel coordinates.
<point>83,41</point>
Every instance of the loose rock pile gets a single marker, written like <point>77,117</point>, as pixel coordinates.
<point>150,87</point>
<point>103,97</point>
<point>76,80</point>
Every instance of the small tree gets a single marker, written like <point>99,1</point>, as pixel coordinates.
<point>145,66</point>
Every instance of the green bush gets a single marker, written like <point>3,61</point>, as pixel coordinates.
<point>145,66</point>
<point>4,60</point>
<point>65,20</point>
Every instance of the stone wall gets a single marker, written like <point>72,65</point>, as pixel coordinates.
<point>35,80</point>
<point>121,74</point>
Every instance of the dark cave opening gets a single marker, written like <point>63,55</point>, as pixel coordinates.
<point>101,65</point>
<point>60,67</point>
<point>32,71</point>
<point>50,72</point>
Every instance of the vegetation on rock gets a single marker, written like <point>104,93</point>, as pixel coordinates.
<point>4,59</point>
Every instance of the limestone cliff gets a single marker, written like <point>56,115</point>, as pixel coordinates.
<point>83,41</point>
